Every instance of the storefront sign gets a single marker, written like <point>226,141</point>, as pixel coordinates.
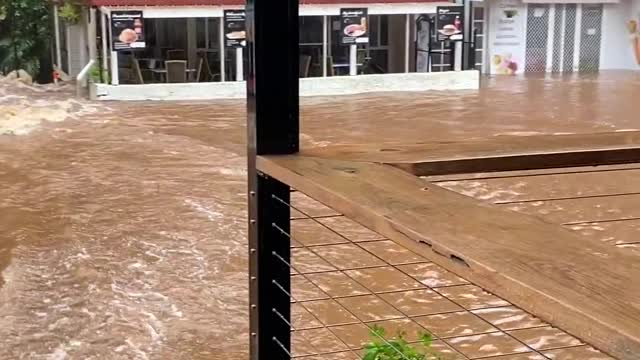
<point>507,46</point>
<point>354,26</point>
<point>235,34</point>
<point>450,23</point>
<point>127,29</point>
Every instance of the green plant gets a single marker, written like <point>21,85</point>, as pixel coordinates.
<point>24,35</point>
<point>70,13</point>
<point>98,76</point>
<point>397,348</point>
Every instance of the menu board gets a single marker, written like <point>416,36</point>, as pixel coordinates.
<point>354,26</point>
<point>235,30</point>
<point>506,43</point>
<point>449,23</point>
<point>127,29</point>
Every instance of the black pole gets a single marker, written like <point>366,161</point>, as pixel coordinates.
<point>272,128</point>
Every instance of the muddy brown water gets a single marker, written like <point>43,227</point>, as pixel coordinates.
<point>122,231</point>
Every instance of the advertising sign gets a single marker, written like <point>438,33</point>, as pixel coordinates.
<point>235,30</point>
<point>127,29</point>
<point>506,43</point>
<point>449,23</point>
<point>354,26</point>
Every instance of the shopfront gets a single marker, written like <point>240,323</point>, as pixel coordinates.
<point>526,36</point>
<point>197,35</point>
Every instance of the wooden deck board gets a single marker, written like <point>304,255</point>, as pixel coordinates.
<point>579,284</point>
<point>549,187</point>
<point>500,153</point>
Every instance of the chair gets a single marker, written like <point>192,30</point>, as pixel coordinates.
<point>305,63</point>
<point>176,71</point>
<point>137,72</point>
<point>204,69</point>
<point>176,54</point>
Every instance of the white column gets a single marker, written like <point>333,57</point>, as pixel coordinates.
<point>578,38</point>
<point>407,39</point>
<point>457,60</point>
<point>325,31</point>
<point>114,58</point>
<point>56,26</point>
<point>222,51</point>
<point>239,64</point>
<point>550,36</point>
<point>353,59</point>
<point>91,35</point>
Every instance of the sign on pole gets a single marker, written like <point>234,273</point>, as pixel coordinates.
<point>354,26</point>
<point>127,29</point>
<point>235,33</point>
<point>450,23</point>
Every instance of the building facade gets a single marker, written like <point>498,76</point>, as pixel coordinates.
<point>502,36</point>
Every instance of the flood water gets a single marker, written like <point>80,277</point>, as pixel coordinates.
<point>122,228</point>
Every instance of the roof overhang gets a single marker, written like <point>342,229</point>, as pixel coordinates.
<point>190,11</point>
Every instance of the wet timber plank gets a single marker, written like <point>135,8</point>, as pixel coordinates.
<point>572,211</point>
<point>549,187</point>
<point>531,173</point>
<point>500,153</point>
<point>579,284</point>
<point>611,232</point>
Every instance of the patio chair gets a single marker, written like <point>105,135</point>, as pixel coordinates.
<point>137,72</point>
<point>204,70</point>
<point>305,63</point>
<point>176,71</point>
<point>176,54</point>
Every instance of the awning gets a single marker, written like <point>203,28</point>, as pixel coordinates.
<point>187,11</point>
<point>133,3</point>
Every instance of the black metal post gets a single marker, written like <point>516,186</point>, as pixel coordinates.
<point>272,128</point>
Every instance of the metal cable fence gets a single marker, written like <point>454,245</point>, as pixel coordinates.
<point>341,344</point>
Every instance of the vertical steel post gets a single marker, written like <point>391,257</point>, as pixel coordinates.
<point>273,128</point>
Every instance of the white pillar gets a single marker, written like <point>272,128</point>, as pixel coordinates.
<point>457,61</point>
<point>239,65</point>
<point>407,39</point>
<point>325,31</point>
<point>56,26</point>
<point>114,58</point>
<point>222,51</point>
<point>550,36</point>
<point>578,38</point>
<point>353,59</point>
<point>91,35</point>
<point>563,33</point>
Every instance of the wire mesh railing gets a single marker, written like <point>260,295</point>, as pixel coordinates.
<point>390,341</point>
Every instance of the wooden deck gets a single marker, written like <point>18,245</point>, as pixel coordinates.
<point>580,284</point>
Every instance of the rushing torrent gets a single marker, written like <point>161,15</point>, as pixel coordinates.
<point>123,225</point>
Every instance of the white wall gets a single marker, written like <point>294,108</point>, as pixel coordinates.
<point>506,36</point>
<point>616,51</point>
<point>329,86</point>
